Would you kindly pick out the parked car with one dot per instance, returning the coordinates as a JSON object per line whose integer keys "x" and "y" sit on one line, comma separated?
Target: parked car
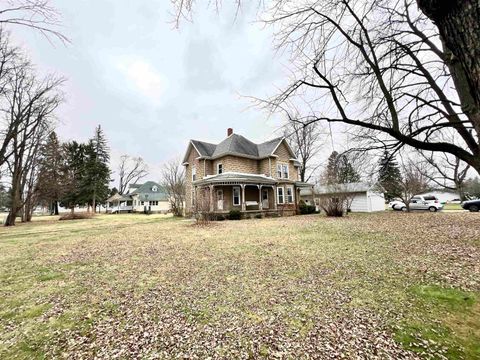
{"x": 419, "y": 202}
{"x": 471, "y": 205}
{"x": 392, "y": 203}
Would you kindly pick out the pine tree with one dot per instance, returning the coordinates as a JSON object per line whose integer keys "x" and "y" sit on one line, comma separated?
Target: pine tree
{"x": 73, "y": 175}
{"x": 390, "y": 176}
{"x": 50, "y": 184}
{"x": 340, "y": 170}
{"x": 97, "y": 172}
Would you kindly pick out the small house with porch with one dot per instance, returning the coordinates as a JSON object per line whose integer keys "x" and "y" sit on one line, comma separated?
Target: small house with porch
{"x": 238, "y": 174}
{"x": 148, "y": 197}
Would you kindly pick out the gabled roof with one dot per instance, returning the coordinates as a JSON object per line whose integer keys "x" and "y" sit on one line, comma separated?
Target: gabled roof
{"x": 203, "y": 148}
{"x": 146, "y": 192}
{"x": 236, "y": 145}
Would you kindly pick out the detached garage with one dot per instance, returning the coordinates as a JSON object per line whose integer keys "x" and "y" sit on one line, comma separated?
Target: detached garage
{"x": 363, "y": 197}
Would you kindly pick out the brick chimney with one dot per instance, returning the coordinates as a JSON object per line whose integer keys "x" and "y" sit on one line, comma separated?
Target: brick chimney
{"x": 229, "y": 131}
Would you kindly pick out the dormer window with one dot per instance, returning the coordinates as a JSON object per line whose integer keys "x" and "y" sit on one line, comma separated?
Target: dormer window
{"x": 219, "y": 168}
{"x": 154, "y": 189}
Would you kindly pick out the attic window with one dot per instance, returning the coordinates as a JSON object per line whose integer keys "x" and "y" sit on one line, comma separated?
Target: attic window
{"x": 219, "y": 168}
{"x": 154, "y": 188}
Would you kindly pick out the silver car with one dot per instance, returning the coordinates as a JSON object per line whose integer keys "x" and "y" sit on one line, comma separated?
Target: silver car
{"x": 419, "y": 202}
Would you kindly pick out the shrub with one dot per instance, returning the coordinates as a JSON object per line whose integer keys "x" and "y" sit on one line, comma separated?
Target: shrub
{"x": 234, "y": 215}
{"x": 258, "y": 216}
{"x": 219, "y": 217}
{"x": 76, "y": 216}
{"x": 306, "y": 209}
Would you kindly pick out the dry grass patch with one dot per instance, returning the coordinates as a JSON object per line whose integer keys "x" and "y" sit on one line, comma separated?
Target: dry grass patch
{"x": 157, "y": 287}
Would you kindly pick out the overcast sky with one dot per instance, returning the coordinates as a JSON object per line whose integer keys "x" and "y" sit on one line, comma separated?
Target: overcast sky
{"x": 152, "y": 87}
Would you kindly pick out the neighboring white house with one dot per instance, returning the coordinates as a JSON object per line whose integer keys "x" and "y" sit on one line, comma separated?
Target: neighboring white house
{"x": 364, "y": 197}
{"x": 443, "y": 196}
{"x": 147, "y": 197}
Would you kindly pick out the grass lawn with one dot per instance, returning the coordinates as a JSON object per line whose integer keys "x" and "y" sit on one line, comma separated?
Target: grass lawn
{"x": 452, "y": 207}
{"x": 390, "y": 285}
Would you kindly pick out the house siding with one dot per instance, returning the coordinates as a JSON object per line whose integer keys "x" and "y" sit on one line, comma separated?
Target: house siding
{"x": 283, "y": 157}
{"x": 238, "y": 164}
{"x": 192, "y": 161}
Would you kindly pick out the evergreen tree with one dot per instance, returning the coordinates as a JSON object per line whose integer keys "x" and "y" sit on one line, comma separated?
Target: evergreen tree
{"x": 96, "y": 173}
{"x": 340, "y": 170}
{"x": 50, "y": 183}
{"x": 389, "y": 176}
{"x": 73, "y": 173}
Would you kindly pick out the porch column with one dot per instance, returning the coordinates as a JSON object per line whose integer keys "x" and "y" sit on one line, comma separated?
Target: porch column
{"x": 211, "y": 197}
{"x": 275, "y": 197}
{"x": 244, "y": 207}
{"x": 260, "y": 205}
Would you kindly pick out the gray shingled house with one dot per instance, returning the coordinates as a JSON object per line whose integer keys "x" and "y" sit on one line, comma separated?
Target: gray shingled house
{"x": 238, "y": 174}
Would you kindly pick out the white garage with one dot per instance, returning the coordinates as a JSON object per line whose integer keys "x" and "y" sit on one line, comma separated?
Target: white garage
{"x": 362, "y": 196}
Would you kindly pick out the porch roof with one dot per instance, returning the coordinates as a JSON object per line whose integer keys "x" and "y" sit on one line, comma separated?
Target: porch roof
{"x": 235, "y": 178}
{"x": 119, "y": 197}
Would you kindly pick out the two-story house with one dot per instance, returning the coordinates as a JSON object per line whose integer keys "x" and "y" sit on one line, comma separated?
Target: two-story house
{"x": 239, "y": 174}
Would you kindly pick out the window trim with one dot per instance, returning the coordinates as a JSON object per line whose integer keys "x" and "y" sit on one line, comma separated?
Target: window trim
{"x": 278, "y": 195}
{"x": 239, "y": 196}
{"x": 285, "y": 166}
{"x": 218, "y": 168}
{"x": 194, "y": 172}
{"x": 279, "y": 170}
{"x": 289, "y": 187}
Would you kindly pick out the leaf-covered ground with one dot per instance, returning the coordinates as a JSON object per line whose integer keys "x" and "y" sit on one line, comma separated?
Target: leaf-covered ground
{"x": 388, "y": 285}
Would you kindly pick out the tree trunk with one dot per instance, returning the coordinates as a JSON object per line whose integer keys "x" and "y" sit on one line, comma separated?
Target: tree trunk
{"x": 459, "y": 27}
{"x": 55, "y": 207}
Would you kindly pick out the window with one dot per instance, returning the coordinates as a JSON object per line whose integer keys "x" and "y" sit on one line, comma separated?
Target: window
{"x": 154, "y": 189}
{"x": 289, "y": 194}
{"x": 141, "y": 202}
{"x": 153, "y": 203}
{"x": 280, "y": 195}
{"x": 236, "y": 196}
{"x": 193, "y": 197}
{"x": 282, "y": 171}
{"x": 219, "y": 168}
{"x": 194, "y": 173}
{"x": 285, "y": 171}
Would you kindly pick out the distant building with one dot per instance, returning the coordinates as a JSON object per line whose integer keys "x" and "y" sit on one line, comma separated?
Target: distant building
{"x": 147, "y": 197}
{"x": 364, "y": 197}
{"x": 443, "y": 196}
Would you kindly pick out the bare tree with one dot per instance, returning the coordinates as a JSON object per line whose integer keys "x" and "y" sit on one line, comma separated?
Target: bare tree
{"x": 202, "y": 206}
{"x": 445, "y": 171}
{"x": 413, "y": 182}
{"x": 31, "y": 106}
{"x": 378, "y": 66}
{"x": 306, "y": 141}
{"x": 35, "y": 14}
{"x": 130, "y": 170}
{"x": 173, "y": 179}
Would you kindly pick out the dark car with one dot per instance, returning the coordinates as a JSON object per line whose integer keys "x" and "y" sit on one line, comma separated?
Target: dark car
{"x": 471, "y": 205}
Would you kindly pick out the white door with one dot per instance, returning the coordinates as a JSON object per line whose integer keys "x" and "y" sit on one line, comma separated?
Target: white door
{"x": 219, "y": 199}
{"x": 265, "y": 198}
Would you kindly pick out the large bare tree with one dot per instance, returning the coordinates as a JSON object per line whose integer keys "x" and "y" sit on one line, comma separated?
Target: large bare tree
{"x": 130, "y": 170}
{"x": 306, "y": 141}
{"x": 445, "y": 171}
{"x": 31, "y": 106}
{"x": 173, "y": 179}
{"x": 385, "y": 68}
